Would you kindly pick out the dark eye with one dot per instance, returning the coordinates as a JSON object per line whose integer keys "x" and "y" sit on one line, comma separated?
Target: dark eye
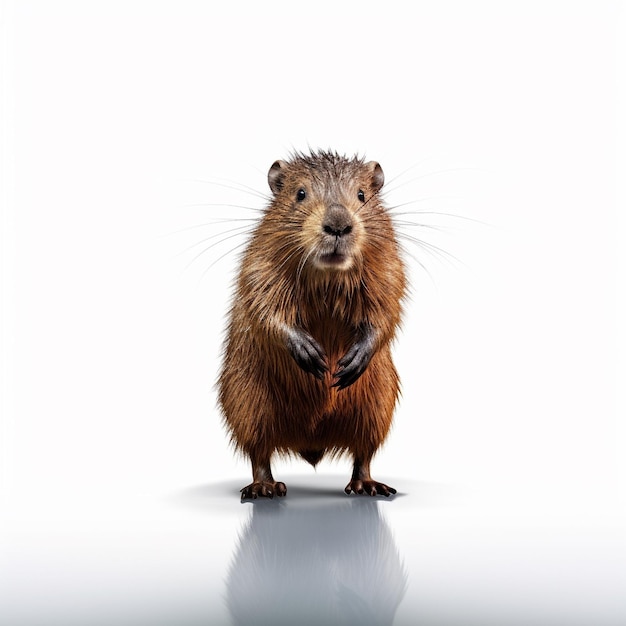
{"x": 361, "y": 195}
{"x": 301, "y": 195}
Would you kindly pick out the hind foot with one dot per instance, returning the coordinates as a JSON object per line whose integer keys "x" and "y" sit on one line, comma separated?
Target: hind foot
{"x": 263, "y": 489}
{"x": 369, "y": 487}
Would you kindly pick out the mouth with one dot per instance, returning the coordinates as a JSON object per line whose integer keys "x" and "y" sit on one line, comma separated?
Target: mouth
{"x": 334, "y": 260}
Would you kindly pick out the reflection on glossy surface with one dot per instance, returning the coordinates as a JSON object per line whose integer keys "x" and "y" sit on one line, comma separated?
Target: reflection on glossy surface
{"x": 306, "y": 561}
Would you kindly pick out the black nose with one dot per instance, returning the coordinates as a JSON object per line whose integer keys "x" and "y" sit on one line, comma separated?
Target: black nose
{"x": 337, "y": 221}
{"x": 337, "y": 232}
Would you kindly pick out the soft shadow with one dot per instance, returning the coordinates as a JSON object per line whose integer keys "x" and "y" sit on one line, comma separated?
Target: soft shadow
{"x": 211, "y": 497}
{"x": 201, "y": 496}
{"x": 315, "y": 563}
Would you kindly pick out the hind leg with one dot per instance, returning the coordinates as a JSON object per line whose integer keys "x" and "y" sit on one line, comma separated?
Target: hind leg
{"x": 363, "y": 483}
{"x": 372, "y": 421}
{"x": 263, "y": 484}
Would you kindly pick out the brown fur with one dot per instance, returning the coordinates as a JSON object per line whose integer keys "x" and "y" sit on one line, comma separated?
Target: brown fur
{"x": 270, "y": 404}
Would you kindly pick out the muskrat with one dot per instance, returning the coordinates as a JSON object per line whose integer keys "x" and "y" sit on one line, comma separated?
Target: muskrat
{"x": 307, "y": 365}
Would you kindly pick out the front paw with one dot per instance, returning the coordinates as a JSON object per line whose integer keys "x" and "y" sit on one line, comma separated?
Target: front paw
{"x": 354, "y": 362}
{"x": 307, "y": 353}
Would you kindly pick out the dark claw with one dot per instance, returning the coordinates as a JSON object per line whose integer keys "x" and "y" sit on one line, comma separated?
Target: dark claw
{"x": 369, "y": 487}
{"x": 263, "y": 490}
{"x": 307, "y": 353}
{"x": 354, "y": 362}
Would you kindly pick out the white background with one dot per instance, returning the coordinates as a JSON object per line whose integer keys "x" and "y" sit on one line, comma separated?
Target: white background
{"x": 126, "y": 125}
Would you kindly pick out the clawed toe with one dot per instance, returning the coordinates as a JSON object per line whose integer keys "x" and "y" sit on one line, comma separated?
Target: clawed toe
{"x": 263, "y": 490}
{"x": 369, "y": 487}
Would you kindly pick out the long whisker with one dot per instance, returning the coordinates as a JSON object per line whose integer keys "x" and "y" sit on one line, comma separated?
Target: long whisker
{"x": 240, "y": 230}
{"x": 302, "y": 263}
{"x": 221, "y": 204}
{"x": 237, "y": 247}
{"x": 238, "y": 184}
{"x": 435, "y": 173}
{"x": 424, "y": 199}
{"x": 393, "y": 213}
{"x": 403, "y": 172}
{"x": 217, "y": 220}
{"x": 403, "y": 223}
{"x": 407, "y": 252}
{"x": 243, "y": 189}
{"x": 377, "y": 240}
{"x": 397, "y": 223}
{"x": 365, "y": 204}
{"x": 430, "y": 248}
{"x": 216, "y": 243}
{"x": 295, "y": 249}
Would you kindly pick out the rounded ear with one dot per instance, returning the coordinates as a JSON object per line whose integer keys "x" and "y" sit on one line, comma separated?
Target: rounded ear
{"x": 377, "y": 175}
{"x": 275, "y": 176}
